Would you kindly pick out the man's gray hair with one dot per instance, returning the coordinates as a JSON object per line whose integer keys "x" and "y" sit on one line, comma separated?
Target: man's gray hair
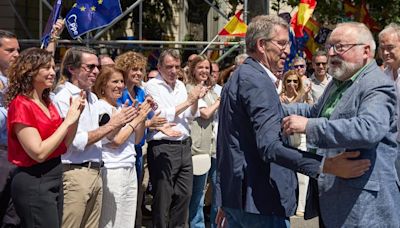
{"x": 391, "y": 28}
{"x": 171, "y": 52}
{"x": 364, "y": 35}
{"x": 240, "y": 58}
{"x": 262, "y": 26}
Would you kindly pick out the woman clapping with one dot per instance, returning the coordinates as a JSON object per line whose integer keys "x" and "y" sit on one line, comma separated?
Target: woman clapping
{"x": 37, "y": 137}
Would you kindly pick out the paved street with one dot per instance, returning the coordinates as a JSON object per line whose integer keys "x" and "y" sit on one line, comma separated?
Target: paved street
{"x": 299, "y": 222}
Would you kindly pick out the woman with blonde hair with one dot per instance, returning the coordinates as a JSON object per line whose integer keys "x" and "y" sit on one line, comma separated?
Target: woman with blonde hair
{"x": 37, "y": 137}
{"x": 293, "y": 89}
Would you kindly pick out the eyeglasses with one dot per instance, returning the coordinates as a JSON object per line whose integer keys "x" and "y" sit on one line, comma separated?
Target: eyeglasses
{"x": 299, "y": 66}
{"x": 341, "y": 48}
{"x": 281, "y": 44}
{"x": 292, "y": 80}
{"x": 387, "y": 48}
{"x": 321, "y": 63}
{"x": 90, "y": 67}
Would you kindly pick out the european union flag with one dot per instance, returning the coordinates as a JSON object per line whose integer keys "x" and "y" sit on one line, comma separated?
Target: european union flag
{"x": 55, "y": 13}
{"x": 88, "y": 15}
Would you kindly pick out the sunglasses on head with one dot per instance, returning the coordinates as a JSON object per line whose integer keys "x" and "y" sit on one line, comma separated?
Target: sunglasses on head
{"x": 299, "y": 66}
{"x": 292, "y": 80}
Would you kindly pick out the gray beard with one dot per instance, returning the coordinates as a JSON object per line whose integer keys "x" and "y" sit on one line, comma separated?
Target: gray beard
{"x": 344, "y": 71}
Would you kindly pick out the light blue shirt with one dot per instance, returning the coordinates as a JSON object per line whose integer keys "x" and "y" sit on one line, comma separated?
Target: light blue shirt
{"x": 3, "y": 112}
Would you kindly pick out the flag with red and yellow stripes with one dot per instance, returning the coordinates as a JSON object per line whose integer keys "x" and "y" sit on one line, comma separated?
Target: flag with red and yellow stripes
{"x": 234, "y": 27}
{"x": 305, "y": 11}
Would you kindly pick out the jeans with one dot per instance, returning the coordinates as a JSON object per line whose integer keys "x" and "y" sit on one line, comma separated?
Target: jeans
{"x": 213, "y": 180}
{"x": 196, "y": 216}
{"x": 237, "y": 218}
{"x": 139, "y": 161}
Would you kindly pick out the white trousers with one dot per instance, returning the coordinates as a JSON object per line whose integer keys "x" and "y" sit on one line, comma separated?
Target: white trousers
{"x": 119, "y": 197}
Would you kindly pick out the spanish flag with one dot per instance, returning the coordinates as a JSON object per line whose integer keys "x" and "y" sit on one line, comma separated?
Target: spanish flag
{"x": 311, "y": 28}
{"x": 360, "y": 13}
{"x": 299, "y": 20}
{"x": 235, "y": 27}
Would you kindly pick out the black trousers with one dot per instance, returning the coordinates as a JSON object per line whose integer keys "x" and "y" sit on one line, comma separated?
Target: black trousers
{"x": 37, "y": 193}
{"x": 171, "y": 176}
{"x": 8, "y": 215}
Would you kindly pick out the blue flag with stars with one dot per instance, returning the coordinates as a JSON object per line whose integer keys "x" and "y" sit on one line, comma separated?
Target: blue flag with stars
{"x": 55, "y": 13}
{"x": 88, "y": 15}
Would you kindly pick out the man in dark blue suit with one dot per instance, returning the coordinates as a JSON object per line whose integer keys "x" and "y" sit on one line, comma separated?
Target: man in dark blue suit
{"x": 255, "y": 171}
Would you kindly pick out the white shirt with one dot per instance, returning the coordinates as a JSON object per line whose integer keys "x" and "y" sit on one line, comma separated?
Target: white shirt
{"x": 167, "y": 99}
{"x": 78, "y": 152}
{"x": 217, "y": 89}
{"x": 389, "y": 72}
{"x": 124, "y": 155}
{"x": 318, "y": 87}
{"x": 272, "y": 77}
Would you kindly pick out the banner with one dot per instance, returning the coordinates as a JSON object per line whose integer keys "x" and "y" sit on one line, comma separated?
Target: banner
{"x": 88, "y": 15}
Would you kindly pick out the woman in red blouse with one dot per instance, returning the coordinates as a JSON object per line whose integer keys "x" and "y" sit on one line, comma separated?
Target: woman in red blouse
{"x": 37, "y": 137}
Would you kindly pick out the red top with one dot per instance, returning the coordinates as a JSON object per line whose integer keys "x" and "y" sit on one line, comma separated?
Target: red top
{"x": 24, "y": 111}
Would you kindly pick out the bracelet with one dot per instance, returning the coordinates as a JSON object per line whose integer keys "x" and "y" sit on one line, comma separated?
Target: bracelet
{"x": 54, "y": 38}
{"x": 130, "y": 125}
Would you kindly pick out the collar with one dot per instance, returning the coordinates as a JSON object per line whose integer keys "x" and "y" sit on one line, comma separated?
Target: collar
{"x": 269, "y": 73}
{"x": 389, "y": 72}
{"x": 327, "y": 76}
{"x": 160, "y": 80}
{"x": 73, "y": 89}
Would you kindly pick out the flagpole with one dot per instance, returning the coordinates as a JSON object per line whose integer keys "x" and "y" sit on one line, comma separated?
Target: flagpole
{"x": 228, "y": 52}
{"x": 209, "y": 44}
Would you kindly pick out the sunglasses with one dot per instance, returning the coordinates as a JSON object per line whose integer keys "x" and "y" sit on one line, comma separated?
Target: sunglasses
{"x": 90, "y": 67}
{"x": 299, "y": 66}
{"x": 321, "y": 63}
{"x": 292, "y": 80}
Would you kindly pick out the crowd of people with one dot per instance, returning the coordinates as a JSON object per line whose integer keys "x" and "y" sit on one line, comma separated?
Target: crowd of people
{"x": 261, "y": 143}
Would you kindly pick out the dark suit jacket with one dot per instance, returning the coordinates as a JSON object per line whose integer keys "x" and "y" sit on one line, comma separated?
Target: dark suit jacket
{"x": 254, "y": 168}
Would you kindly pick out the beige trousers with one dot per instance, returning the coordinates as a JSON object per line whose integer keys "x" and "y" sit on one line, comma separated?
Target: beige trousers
{"x": 82, "y": 197}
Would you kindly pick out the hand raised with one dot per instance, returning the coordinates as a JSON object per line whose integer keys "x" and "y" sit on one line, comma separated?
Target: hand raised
{"x": 58, "y": 27}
